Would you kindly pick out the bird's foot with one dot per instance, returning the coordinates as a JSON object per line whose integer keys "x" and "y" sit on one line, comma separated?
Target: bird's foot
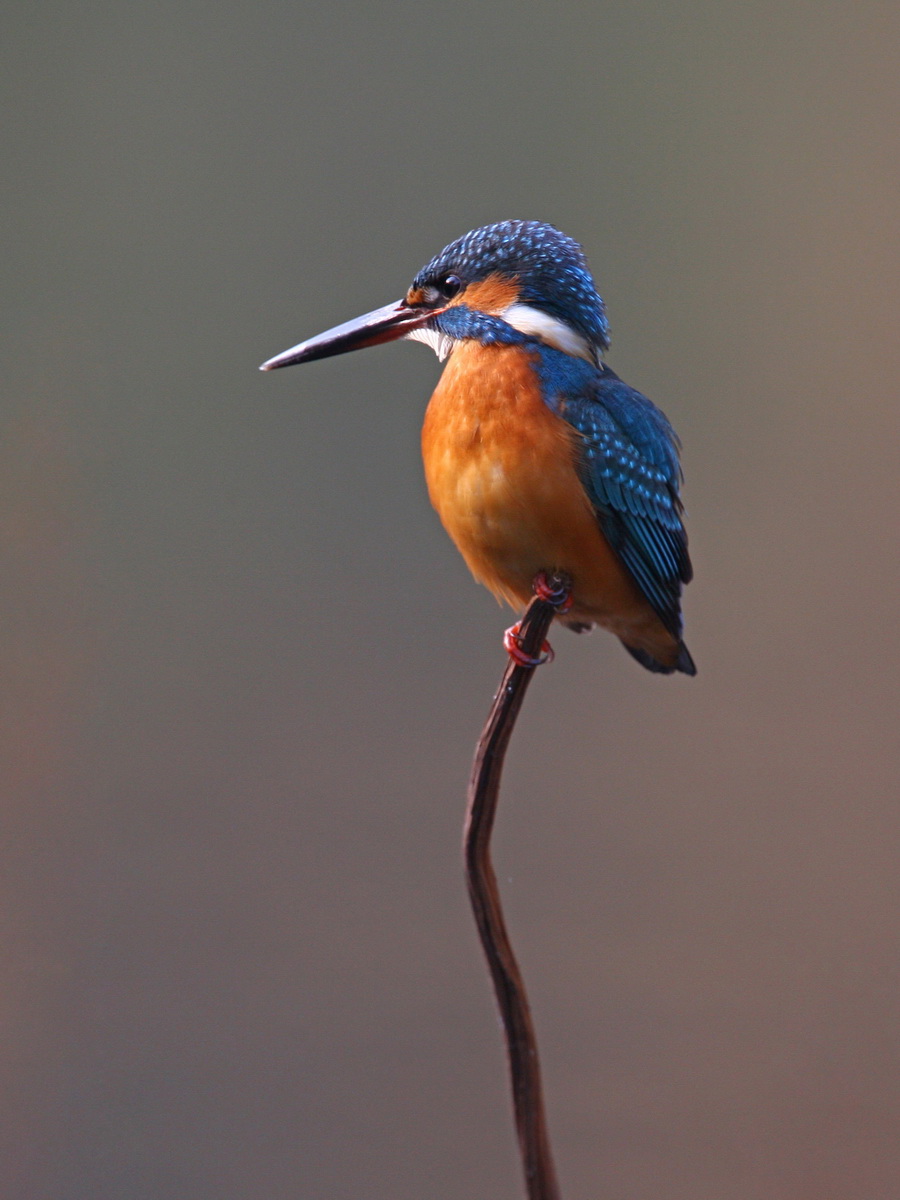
{"x": 555, "y": 589}
{"x": 512, "y": 644}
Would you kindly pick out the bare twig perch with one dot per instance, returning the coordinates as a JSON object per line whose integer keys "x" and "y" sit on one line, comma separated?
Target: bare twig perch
{"x": 531, "y": 1125}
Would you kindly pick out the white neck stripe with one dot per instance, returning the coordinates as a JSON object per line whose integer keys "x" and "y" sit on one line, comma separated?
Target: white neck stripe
{"x": 556, "y": 333}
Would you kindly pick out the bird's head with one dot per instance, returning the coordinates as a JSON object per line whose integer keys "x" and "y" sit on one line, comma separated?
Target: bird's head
{"x": 525, "y": 274}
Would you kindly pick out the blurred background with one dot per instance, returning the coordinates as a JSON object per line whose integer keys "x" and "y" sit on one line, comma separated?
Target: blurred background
{"x": 244, "y": 669}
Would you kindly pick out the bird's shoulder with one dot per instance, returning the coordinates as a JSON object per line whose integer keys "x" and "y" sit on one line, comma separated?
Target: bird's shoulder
{"x": 615, "y": 420}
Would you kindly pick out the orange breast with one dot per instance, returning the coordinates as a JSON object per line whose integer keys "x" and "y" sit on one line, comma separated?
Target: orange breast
{"x": 500, "y": 468}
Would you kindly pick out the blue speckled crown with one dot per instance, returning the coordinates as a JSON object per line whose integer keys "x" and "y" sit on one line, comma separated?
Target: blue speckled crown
{"x": 551, "y": 268}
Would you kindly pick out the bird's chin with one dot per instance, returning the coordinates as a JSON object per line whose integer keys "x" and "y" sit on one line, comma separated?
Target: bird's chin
{"x": 441, "y": 343}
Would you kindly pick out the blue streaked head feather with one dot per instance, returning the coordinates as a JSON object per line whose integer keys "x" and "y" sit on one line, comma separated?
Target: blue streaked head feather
{"x": 550, "y": 267}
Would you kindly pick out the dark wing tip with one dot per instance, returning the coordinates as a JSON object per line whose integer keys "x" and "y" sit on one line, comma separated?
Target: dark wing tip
{"x": 683, "y": 662}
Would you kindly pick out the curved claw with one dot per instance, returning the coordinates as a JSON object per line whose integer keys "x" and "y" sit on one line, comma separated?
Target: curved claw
{"x": 512, "y": 644}
{"x": 554, "y": 590}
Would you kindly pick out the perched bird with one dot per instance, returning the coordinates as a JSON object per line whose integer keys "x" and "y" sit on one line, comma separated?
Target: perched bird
{"x": 538, "y": 458}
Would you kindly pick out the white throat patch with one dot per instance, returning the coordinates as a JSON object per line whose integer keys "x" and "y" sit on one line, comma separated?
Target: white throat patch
{"x": 440, "y": 343}
{"x": 553, "y": 331}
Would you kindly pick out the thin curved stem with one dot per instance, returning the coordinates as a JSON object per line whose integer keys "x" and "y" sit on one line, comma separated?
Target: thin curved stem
{"x": 509, "y": 988}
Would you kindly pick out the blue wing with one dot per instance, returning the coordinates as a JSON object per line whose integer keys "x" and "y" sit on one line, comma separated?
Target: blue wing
{"x": 629, "y": 467}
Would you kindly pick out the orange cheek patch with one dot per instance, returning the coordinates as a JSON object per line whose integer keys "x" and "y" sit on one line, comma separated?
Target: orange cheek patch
{"x": 491, "y": 295}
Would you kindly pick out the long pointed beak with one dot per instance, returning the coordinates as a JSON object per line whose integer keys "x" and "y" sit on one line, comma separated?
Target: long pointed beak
{"x": 383, "y": 325}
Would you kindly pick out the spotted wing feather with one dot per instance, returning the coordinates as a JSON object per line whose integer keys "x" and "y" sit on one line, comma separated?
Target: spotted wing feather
{"x": 630, "y": 470}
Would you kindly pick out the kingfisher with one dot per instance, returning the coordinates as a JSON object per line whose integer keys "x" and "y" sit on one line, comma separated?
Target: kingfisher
{"x": 540, "y": 461}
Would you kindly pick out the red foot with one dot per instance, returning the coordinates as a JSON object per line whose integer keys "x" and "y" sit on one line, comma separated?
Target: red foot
{"x": 512, "y": 644}
{"x": 557, "y": 593}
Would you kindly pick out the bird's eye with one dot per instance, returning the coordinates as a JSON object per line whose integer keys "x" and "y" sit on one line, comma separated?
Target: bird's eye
{"x": 432, "y": 294}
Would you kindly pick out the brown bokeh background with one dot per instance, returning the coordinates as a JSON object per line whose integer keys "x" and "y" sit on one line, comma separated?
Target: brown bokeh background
{"x": 244, "y": 669}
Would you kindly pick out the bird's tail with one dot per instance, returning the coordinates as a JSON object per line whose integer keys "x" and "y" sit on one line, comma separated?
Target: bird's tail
{"x": 683, "y": 661}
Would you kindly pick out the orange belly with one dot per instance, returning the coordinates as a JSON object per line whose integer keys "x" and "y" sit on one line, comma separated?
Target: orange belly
{"x": 500, "y": 469}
